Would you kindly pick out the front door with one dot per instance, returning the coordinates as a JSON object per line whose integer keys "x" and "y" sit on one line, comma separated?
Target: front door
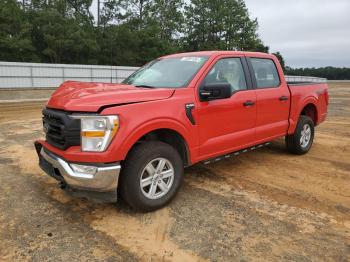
{"x": 226, "y": 125}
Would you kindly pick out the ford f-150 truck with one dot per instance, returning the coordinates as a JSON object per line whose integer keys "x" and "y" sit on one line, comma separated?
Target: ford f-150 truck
{"x": 135, "y": 138}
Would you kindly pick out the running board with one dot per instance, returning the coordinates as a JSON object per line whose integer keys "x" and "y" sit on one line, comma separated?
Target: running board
{"x": 216, "y": 159}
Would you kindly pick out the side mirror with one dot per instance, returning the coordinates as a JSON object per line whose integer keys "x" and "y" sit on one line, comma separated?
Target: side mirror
{"x": 214, "y": 91}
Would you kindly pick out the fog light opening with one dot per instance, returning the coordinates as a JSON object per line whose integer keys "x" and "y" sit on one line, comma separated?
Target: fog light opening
{"x": 82, "y": 169}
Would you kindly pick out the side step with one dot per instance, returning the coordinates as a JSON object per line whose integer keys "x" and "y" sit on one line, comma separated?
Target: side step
{"x": 216, "y": 159}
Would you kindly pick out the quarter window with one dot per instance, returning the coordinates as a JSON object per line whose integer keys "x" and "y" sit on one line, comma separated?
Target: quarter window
{"x": 265, "y": 73}
{"x": 228, "y": 70}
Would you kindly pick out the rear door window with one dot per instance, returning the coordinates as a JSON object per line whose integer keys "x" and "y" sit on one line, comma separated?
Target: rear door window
{"x": 265, "y": 73}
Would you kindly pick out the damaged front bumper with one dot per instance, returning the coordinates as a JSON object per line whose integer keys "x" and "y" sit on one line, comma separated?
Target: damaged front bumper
{"x": 97, "y": 181}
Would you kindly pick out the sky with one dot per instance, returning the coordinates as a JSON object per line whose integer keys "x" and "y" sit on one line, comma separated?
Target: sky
{"x": 308, "y": 33}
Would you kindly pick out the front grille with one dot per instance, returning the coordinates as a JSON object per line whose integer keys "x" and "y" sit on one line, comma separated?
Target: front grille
{"x": 61, "y": 130}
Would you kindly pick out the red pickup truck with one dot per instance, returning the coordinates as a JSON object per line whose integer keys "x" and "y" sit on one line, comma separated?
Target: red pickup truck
{"x": 135, "y": 138}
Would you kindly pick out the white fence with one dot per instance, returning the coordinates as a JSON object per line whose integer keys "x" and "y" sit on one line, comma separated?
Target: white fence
{"x": 305, "y": 79}
{"x": 35, "y": 75}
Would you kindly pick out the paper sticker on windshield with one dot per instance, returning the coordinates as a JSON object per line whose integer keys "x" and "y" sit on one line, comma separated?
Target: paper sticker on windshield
{"x": 192, "y": 59}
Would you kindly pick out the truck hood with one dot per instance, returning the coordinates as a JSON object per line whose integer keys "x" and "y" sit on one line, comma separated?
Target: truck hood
{"x": 90, "y": 97}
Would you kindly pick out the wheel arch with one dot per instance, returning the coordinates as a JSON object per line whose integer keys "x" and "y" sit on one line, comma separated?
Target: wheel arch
{"x": 168, "y": 132}
{"x": 310, "y": 110}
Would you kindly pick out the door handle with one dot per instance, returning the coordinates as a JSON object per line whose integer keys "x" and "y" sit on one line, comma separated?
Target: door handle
{"x": 283, "y": 98}
{"x": 248, "y": 103}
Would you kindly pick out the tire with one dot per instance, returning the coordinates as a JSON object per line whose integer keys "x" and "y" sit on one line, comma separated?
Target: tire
{"x": 295, "y": 143}
{"x": 138, "y": 165}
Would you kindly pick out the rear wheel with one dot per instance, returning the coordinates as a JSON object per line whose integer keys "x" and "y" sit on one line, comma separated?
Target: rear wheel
{"x": 301, "y": 141}
{"x": 151, "y": 175}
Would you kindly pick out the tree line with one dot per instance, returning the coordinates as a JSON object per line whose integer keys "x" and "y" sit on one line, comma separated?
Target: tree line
{"x": 329, "y": 72}
{"x": 129, "y": 32}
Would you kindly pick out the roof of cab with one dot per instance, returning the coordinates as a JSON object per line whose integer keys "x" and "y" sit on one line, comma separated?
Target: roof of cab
{"x": 217, "y": 52}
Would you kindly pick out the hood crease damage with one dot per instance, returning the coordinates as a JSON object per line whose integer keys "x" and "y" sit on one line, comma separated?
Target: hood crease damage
{"x": 95, "y": 97}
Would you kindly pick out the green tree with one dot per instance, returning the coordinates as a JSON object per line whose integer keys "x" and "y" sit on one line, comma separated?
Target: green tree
{"x": 168, "y": 15}
{"x": 139, "y": 31}
{"x": 220, "y": 24}
{"x": 137, "y": 12}
{"x": 62, "y": 36}
{"x": 112, "y": 12}
{"x": 81, "y": 8}
{"x": 281, "y": 59}
{"x": 15, "y": 34}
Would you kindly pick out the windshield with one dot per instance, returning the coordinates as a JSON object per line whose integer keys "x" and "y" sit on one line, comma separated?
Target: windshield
{"x": 172, "y": 72}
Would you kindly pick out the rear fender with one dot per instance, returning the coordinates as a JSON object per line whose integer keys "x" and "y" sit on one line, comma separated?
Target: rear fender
{"x": 297, "y": 109}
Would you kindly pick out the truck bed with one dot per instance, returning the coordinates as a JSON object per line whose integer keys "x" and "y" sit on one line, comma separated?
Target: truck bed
{"x": 300, "y": 83}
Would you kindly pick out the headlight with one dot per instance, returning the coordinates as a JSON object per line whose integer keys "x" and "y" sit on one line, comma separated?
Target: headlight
{"x": 97, "y": 132}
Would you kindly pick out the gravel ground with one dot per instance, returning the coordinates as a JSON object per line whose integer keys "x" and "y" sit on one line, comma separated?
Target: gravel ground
{"x": 264, "y": 205}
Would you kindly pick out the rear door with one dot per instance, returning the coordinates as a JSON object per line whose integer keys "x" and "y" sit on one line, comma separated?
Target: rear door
{"x": 225, "y": 125}
{"x": 273, "y": 99}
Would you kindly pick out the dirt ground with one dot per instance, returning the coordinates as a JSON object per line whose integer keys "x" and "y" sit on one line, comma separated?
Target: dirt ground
{"x": 264, "y": 205}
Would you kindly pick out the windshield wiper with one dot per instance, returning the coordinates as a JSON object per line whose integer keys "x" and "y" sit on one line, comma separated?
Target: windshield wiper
{"x": 146, "y": 86}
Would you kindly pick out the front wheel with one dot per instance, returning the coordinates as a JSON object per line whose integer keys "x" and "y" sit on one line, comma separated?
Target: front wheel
{"x": 151, "y": 175}
{"x": 301, "y": 141}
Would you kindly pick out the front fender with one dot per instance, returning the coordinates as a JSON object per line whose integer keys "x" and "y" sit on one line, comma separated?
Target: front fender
{"x": 152, "y": 125}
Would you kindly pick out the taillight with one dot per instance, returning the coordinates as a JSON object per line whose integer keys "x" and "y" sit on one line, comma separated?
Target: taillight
{"x": 326, "y": 96}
